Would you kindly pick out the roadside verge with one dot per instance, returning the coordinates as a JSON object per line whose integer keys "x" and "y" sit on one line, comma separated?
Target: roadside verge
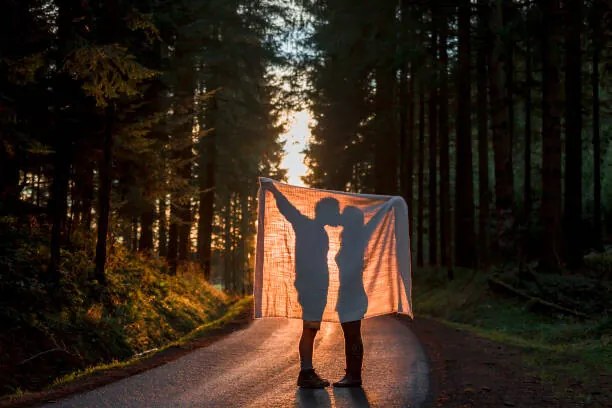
{"x": 238, "y": 316}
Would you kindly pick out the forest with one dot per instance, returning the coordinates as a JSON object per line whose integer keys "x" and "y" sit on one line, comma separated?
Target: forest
{"x": 132, "y": 134}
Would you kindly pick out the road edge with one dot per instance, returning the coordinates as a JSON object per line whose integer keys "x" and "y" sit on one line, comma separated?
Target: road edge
{"x": 433, "y": 360}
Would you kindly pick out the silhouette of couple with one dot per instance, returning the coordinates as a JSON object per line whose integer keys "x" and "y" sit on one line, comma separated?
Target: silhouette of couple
{"x": 311, "y": 248}
{"x": 312, "y": 280}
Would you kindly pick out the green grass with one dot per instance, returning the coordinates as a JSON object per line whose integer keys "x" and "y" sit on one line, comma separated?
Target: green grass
{"x": 559, "y": 349}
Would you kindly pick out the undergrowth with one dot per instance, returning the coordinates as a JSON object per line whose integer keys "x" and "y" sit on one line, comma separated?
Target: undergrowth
{"x": 565, "y": 351}
{"x": 50, "y": 330}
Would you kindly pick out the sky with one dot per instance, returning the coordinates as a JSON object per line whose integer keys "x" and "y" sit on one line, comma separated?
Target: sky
{"x": 296, "y": 138}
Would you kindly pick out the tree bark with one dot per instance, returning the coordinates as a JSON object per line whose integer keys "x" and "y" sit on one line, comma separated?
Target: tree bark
{"x": 172, "y": 255}
{"x": 502, "y": 137}
{"x": 147, "y": 217}
{"x": 420, "y": 216}
{"x": 596, "y": 17}
{"x": 551, "y": 138}
{"x": 410, "y": 151}
{"x": 445, "y": 213}
{"x": 527, "y": 196}
{"x": 163, "y": 227}
{"x": 385, "y": 143}
{"x": 483, "y": 136}
{"x": 104, "y": 196}
{"x": 88, "y": 198}
{"x": 207, "y": 160}
{"x": 573, "y": 134}
{"x": 465, "y": 240}
{"x": 184, "y": 232}
{"x": 9, "y": 179}
{"x": 406, "y": 113}
{"x": 433, "y": 146}
{"x": 58, "y": 204}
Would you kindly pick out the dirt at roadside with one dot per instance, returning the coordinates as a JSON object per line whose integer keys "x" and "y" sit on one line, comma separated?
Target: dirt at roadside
{"x": 470, "y": 371}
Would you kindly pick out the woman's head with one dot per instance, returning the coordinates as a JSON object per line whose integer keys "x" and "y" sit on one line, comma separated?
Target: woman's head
{"x": 352, "y": 217}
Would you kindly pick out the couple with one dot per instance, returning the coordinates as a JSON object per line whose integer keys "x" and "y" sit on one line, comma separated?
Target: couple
{"x": 312, "y": 279}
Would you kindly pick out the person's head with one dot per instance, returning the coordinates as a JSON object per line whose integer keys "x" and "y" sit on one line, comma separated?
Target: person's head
{"x": 327, "y": 211}
{"x": 352, "y": 217}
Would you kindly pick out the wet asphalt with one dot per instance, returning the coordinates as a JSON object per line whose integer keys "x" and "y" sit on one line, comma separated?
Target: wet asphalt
{"x": 258, "y": 367}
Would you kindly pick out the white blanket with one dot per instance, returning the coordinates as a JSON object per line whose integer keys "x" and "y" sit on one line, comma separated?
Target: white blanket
{"x": 330, "y": 256}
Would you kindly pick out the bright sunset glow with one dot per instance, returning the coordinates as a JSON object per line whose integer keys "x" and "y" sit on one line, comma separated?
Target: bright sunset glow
{"x": 296, "y": 139}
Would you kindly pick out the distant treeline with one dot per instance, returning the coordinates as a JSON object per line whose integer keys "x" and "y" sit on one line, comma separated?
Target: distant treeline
{"x": 491, "y": 117}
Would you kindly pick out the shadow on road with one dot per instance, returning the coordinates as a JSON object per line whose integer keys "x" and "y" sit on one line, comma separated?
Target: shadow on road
{"x": 351, "y": 397}
{"x": 343, "y": 397}
{"x": 307, "y": 398}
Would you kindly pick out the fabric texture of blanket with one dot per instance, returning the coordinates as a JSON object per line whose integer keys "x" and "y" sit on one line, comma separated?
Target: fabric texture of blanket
{"x": 330, "y": 256}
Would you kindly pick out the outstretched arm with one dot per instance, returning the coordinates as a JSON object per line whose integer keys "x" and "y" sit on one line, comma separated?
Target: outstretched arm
{"x": 284, "y": 206}
{"x": 375, "y": 220}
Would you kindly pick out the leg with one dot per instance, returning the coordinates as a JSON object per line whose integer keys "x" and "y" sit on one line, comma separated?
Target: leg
{"x": 308, "y": 378}
{"x": 353, "y": 351}
{"x": 306, "y": 346}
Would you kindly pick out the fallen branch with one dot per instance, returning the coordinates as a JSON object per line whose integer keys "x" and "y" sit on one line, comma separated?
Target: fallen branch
{"x": 42, "y": 353}
{"x": 138, "y": 355}
{"x": 503, "y": 287}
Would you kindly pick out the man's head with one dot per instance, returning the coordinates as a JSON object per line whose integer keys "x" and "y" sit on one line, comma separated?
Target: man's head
{"x": 327, "y": 211}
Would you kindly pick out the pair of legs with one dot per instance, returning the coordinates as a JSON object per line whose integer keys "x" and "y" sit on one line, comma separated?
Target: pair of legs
{"x": 353, "y": 351}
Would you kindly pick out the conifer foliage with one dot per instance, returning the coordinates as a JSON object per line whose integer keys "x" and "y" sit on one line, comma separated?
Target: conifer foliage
{"x": 139, "y": 123}
{"x": 459, "y": 106}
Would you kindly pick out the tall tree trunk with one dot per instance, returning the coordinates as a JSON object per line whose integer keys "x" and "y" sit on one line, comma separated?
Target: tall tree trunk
{"x": 551, "y": 137}
{"x": 146, "y": 228}
{"x": 163, "y": 227}
{"x": 9, "y": 178}
{"x": 433, "y": 146}
{"x": 404, "y": 131}
{"x": 386, "y": 143}
{"x": 483, "y": 136}
{"x": 62, "y": 143}
{"x": 88, "y": 197}
{"x": 410, "y": 144}
{"x": 244, "y": 241}
{"x": 184, "y": 233}
{"x": 207, "y": 159}
{"x": 445, "y": 213}
{"x": 182, "y": 152}
{"x": 465, "y": 240}
{"x": 173, "y": 233}
{"x": 508, "y": 9}
{"x": 596, "y": 16}
{"x": 227, "y": 264}
{"x": 502, "y": 138}
{"x": 134, "y": 232}
{"x": 527, "y": 196}
{"x": 39, "y": 192}
{"x": 104, "y": 196}
{"x": 420, "y": 216}
{"x": 58, "y": 205}
{"x": 405, "y": 101}
{"x": 573, "y": 134}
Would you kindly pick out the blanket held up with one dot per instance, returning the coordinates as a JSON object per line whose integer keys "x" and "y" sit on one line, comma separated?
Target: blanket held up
{"x": 330, "y": 256}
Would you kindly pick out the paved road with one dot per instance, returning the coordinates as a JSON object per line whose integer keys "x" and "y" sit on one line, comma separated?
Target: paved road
{"x": 257, "y": 367}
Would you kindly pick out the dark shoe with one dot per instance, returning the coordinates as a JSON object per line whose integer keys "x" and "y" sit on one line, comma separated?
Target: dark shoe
{"x": 348, "y": 381}
{"x": 309, "y": 379}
